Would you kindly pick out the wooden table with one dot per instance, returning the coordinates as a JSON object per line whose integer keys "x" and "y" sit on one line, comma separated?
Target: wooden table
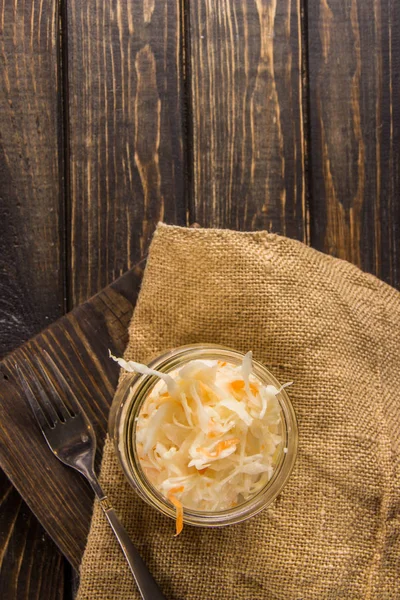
{"x": 250, "y": 114}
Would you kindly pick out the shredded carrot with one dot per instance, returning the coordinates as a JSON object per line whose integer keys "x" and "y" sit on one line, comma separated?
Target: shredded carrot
{"x": 176, "y": 490}
{"x": 178, "y": 505}
{"x": 238, "y": 386}
{"x": 202, "y": 471}
{"x": 221, "y": 363}
{"x": 220, "y": 447}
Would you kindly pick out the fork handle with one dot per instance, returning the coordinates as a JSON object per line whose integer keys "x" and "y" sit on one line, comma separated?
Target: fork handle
{"x": 145, "y": 582}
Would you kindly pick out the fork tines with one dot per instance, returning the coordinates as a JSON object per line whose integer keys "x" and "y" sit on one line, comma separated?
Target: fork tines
{"x": 52, "y": 407}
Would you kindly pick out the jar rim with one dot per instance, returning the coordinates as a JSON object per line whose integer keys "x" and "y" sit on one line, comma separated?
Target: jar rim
{"x": 127, "y": 404}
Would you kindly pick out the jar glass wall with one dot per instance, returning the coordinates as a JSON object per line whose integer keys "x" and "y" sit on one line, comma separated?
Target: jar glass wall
{"x": 133, "y": 391}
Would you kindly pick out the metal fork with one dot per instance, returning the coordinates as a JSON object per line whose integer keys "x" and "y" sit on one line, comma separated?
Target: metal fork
{"x": 70, "y": 435}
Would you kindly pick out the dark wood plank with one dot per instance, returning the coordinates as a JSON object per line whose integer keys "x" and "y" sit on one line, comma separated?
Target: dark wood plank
{"x": 31, "y": 252}
{"x": 31, "y": 241}
{"x": 30, "y": 564}
{"x": 354, "y": 50}
{"x": 246, "y": 92}
{"x": 125, "y": 129}
{"x": 79, "y": 343}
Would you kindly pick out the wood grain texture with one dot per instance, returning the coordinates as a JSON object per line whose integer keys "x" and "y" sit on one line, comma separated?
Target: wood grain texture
{"x": 125, "y": 134}
{"x": 31, "y": 240}
{"x": 30, "y": 565}
{"x": 354, "y": 67}
{"x": 31, "y": 252}
{"x": 246, "y": 90}
{"x": 79, "y": 344}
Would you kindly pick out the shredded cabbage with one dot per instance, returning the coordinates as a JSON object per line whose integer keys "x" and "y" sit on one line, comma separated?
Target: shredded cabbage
{"x": 209, "y": 434}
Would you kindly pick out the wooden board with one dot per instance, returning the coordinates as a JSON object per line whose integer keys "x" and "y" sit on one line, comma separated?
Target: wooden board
{"x": 126, "y": 159}
{"x": 247, "y": 126}
{"x": 79, "y": 343}
{"x": 355, "y": 132}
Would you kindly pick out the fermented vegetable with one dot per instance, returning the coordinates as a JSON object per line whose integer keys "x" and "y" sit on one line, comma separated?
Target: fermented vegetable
{"x": 209, "y": 434}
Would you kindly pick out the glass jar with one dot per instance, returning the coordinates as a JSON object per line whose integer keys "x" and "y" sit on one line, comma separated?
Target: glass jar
{"x": 127, "y": 404}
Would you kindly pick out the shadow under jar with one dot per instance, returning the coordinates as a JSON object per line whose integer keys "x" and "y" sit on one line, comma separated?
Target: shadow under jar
{"x": 126, "y": 407}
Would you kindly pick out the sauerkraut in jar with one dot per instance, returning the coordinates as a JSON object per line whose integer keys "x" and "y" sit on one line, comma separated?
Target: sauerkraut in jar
{"x": 209, "y": 434}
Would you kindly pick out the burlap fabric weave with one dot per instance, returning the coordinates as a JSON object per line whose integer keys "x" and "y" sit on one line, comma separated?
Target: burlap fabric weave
{"x": 320, "y": 322}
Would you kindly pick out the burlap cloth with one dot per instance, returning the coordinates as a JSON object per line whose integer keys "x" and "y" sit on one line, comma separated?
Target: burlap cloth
{"x": 333, "y": 330}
